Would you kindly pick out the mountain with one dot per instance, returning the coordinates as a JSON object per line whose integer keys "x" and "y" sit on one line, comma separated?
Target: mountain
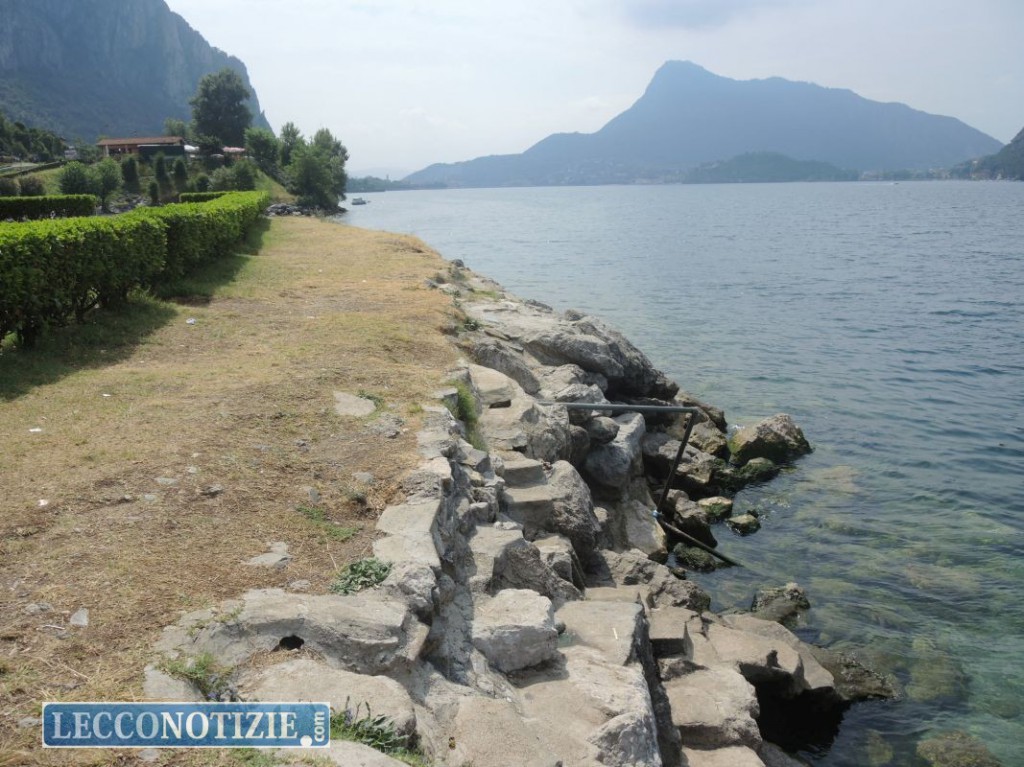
{"x": 765, "y": 167}
{"x": 1007, "y": 163}
{"x": 689, "y": 116}
{"x": 85, "y": 68}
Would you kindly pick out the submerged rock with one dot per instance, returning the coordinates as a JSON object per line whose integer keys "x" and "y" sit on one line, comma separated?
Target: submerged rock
{"x": 780, "y": 604}
{"x": 956, "y": 749}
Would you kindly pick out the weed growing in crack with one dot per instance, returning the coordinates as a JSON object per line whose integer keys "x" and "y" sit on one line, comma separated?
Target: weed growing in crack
{"x": 377, "y": 732}
{"x": 203, "y": 671}
{"x": 363, "y": 574}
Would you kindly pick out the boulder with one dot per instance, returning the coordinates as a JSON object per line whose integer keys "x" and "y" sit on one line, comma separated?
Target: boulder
{"x": 515, "y": 629}
{"x": 561, "y": 505}
{"x": 602, "y": 429}
{"x": 526, "y": 427}
{"x": 506, "y": 560}
{"x": 304, "y": 679}
{"x": 491, "y": 731}
{"x": 415, "y": 584}
{"x": 815, "y": 678}
{"x": 744, "y": 524}
{"x": 956, "y": 749}
{"x": 343, "y": 753}
{"x": 367, "y": 632}
{"x": 692, "y": 558}
{"x": 733, "y": 756}
{"x": 558, "y": 554}
{"x": 613, "y": 465}
{"x": 641, "y": 530}
{"x": 595, "y": 347}
{"x": 502, "y": 356}
{"x": 708, "y": 412}
{"x": 716, "y": 507}
{"x": 778, "y": 439}
{"x": 709, "y": 439}
{"x": 781, "y": 604}
{"x": 714, "y": 708}
{"x": 633, "y": 568}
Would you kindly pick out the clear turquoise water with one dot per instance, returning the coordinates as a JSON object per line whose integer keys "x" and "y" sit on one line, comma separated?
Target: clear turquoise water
{"x": 888, "y": 320}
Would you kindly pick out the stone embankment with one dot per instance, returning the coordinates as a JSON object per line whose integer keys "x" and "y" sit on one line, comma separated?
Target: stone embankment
{"x": 530, "y": 616}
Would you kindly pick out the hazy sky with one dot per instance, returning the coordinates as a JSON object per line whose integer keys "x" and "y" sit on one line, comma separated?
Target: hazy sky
{"x": 406, "y": 83}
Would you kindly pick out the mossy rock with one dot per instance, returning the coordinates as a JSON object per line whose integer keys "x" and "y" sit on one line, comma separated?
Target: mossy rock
{"x": 956, "y": 749}
{"x": 692, "y": 558}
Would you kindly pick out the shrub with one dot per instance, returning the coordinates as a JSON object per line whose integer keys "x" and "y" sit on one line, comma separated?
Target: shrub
{"x": 360, "y": 575}
{"x": 76, "y": 178}
{"x": 8, "y": 187}
{"x": 59, "y": 205}
{"x": 199, "y": 196}
{"x": 180, "y": 172}
{"x": 31, "y": 186}
{"x": 130, "y": 174}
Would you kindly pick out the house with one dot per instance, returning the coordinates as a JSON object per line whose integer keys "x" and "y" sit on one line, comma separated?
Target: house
{"x": 143, "y": 147}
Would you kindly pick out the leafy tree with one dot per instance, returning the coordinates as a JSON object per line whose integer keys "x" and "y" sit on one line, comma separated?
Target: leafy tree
{"x": 154, "y": 193}
{"x": 108, "y": 179}
{"x": 175, "y": 127}
{"x": 218, "y": 108}
{"x": 160, "y": 174}
{"x": 203, "y": 183}
{"x": 31, "y": 186}
{"x": 316, "y": 174}
{"x": 180, "y": 174}
{"x": 75, "y": 178}
{"x": 264, "y": 148}
{"x": 130, "y": 174}
{"x": 291, "y": 138}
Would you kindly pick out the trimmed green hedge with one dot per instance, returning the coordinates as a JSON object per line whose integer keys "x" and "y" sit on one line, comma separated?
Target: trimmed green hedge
{"x": 200, "y": 232}
{"x": 200, "y": 196}
{"x": 52, "y": 272}
{"x": 63, "y": 205}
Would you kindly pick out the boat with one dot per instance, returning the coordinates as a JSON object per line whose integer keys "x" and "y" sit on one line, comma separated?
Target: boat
{"x": 358, "y": 201}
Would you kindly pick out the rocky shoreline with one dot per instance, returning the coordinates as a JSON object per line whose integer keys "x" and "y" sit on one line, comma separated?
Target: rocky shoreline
{"x": 530, "y": 614}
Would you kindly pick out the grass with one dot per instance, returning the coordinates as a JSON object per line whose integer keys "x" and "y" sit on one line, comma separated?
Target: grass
{"x": 212, "y": 680}
{"x": 465, "y": 411}
{"x": 242, "y": 398}
{"x": 377, "y": 732}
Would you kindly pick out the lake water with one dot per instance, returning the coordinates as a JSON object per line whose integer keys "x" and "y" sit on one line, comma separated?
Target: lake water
{"x": 887, "y": 319}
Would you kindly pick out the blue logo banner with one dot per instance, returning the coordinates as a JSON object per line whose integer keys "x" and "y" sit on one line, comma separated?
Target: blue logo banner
{"x": 186, "y": 725}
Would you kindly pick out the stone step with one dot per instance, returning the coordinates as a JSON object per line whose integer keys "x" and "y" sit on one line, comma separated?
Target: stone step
{"x": 714, "y": 708}
{"x": 668, "y": 630}
{"x": 523, "y": 472}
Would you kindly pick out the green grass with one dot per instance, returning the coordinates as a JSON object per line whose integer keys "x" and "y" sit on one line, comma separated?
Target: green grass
{"x": 377, "y": 732}
{"x": 203, "y": 671}
{"x": 465, "y": 411}
{"x": 318, "y": 517}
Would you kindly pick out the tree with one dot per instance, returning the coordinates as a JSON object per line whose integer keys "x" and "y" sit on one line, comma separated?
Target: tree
{"x": 180, "y": 172}
{"x": 264, "y": 148}
{"x": 175, "y": 127}
{"x": 130, "y": 174}
{"x": 108, "y": 179}
{"x": 291, "y": 138}
{"x": 75, "y": 178}
{"x": 316, "y": 174}
{"x": 218, "y": 108}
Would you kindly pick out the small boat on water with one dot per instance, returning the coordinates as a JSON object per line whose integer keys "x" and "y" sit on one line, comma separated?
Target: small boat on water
{"x": 358, "y": 201}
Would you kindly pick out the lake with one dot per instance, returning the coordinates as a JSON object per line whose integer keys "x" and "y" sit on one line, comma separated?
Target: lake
{"x": 887, "y": 319}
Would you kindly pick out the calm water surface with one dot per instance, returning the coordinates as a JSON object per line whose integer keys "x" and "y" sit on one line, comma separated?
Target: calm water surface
{"x": 888, "y": 320}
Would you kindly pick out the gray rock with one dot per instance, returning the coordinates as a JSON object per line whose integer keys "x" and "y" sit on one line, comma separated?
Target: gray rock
{"x": 579, "y": 392}
{"x": 641, "y": 530}
{"x": 773, "y": 756}
{"x": 814, "y": 676}
{"x": 692, "y": 558}
{"x": 633, "y": 568}
{"x": 744, "y": 524}
{"x": 505, "y": 560}
{"x": 613, "y": 465}
{"x": 36, "y": 608}
{"x": 709, "y": 439}
{"x": 28, "y": 722}
{"x": 80, "y": 617}
{"x": 515, "y": 629}
{"x": 413, "y": 534}
{"x": 714, "y": 708}
{"x": 415, "y": 584}
{"x": 350, "y": 405}
{"x": 717, "y": 507}
{"x": 277, "y": 558}
{"x": 956, "y": 749}
{"x": 778, "y": 439}
{"x": 304, "y": 679}
{"x": 780, "y": 604}
{"x": 343, "y": 753}
{"x": 488, "y": 731}
{"x": 708, "y": 412}
{"x": 558, "y": 554}
{"x": 731, "y": 756}
{"x": 160, "y": 686}
{"x": 562, "y": 505}
{"x": 520, "y": 472}
{"x": 612, "y": 628}
{"x": 668, "y": 630}
{"x": 367, "y": 632}
{"x": 602, "y": 429}
{"x": 503, "y": 357}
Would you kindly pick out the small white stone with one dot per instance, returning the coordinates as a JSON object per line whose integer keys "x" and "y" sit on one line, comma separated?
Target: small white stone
{"x": 80, "y": 617}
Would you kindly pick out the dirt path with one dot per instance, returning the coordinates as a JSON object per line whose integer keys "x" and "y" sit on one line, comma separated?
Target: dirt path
{"x": 136, "y": 480}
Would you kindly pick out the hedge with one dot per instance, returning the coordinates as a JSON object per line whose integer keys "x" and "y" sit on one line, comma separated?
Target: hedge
{"x": 63, "y": 205}
{"x": 54, "y": 271}
{"x": 200, "y": 232}
{"x": 200, "y": 196}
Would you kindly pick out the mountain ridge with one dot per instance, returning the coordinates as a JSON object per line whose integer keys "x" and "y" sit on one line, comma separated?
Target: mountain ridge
{"x": 688, "y": 116}
{"x": 104, "y": 67}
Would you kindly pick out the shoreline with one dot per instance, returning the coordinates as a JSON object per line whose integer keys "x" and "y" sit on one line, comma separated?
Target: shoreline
{"x": 507, "y": 574}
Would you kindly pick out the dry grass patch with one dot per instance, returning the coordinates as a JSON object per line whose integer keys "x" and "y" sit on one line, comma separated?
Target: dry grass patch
{"x": 104, "y": 508}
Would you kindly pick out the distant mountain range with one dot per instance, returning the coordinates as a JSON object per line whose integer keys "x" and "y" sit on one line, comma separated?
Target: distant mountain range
{"x": 690, "y": 117}
{"x": 85, "y": 68}
{"x": 1007, "y": 163}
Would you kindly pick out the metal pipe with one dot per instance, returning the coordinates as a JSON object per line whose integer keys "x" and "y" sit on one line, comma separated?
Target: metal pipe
{"x": 690, "y": 422}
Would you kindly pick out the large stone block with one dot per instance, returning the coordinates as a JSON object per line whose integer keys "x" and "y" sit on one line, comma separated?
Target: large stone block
{"x": 515, "y": 629}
